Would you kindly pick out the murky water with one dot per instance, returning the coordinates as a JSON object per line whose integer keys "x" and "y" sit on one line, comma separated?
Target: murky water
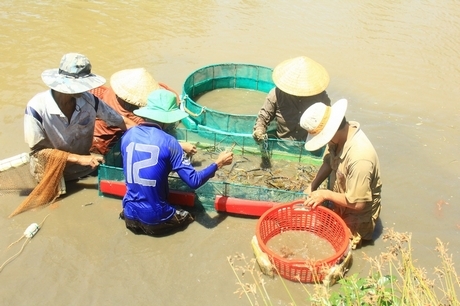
{"x": 301, "y": 245}
{"x": 396, "y": 62}
{"x": 233, "y": 100}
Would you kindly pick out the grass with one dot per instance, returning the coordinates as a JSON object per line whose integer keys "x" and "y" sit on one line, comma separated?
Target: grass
{"x": 393, "y": 279}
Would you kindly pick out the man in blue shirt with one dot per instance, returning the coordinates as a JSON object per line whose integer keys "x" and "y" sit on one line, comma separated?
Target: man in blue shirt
{"x": 149, "y": 155}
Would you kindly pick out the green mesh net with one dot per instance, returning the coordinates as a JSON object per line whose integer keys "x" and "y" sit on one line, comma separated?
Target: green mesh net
{"x": 213, "y": 131}
{"x": 273, "y": 149}
{"x": 229, "y": 75}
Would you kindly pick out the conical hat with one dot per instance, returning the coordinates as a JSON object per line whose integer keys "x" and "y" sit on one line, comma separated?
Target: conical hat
{"x": 300, "y": 76}
{"x": 133, "y": 85}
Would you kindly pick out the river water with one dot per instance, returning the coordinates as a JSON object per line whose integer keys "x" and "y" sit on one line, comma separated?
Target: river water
{"x": 397, "y": 63}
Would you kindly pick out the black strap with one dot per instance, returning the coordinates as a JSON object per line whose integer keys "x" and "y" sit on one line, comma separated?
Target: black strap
{"x": 96, "y": 103}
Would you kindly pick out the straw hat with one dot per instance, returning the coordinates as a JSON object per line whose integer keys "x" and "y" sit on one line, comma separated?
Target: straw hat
{"x": 133, "y": 85}
{"x": 300, "y": 76}
{"x": 162, "y": 107}
{"x": 73, "y": 75}
{"x": 322, "y": 122}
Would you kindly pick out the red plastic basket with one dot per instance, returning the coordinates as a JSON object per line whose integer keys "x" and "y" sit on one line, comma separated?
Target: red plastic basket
{"x": 295, "y": 216}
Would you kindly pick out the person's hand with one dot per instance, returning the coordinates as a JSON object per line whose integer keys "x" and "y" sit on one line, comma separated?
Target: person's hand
{"x": 259, "y": 134}
{"x": 224, "y": 158}
{"x": 188, "y": 148}
{"x": 315, "y": 198}
{"x": 90, "y": 160}
{"x": 307, "y": 190}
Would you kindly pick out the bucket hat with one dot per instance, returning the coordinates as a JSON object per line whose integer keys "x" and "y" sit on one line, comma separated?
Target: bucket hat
{"x": 162, "y": 107}
{"x": 133, "y": 85}
{"x": 300, "y": 76}
{"x": 322, "y": 122}
{"x": 73, "y": 75}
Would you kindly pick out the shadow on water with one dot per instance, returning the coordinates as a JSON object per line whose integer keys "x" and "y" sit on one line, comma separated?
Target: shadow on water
{"x": 205, "y": 219}
{"x": 376, "y": 235}
{"x": 378, "y": 229}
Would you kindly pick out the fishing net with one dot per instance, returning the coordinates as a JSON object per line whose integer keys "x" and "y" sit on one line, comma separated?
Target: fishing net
{"x": 15, "y": 175}
{"x": 227, "y": 75}
{"x": 249, "y": 177}
{"x": 53, "y": 163}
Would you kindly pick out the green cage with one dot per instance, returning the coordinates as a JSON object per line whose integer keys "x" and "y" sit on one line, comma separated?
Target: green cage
{"x": 226, "y": 75}
{"x": 242, "y": 146}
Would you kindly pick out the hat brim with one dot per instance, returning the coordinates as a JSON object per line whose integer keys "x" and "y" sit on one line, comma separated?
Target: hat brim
{"x": 70, "y": 85}
{"x": 133, "y": 85}
{"x": 315, "y": 142}
{"x": 300, "y": 76}
{"x": 161, "y": 116}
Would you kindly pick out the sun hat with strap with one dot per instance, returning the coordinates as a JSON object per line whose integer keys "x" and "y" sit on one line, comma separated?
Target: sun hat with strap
{"x": 73, "y": 75}
{"x": 322, "y": 122}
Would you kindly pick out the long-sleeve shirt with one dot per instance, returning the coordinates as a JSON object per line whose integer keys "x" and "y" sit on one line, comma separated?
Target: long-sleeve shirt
{"x": 106, "y": 135}
{"x": 287, "y": 110}
{"x": 149, "y": 155}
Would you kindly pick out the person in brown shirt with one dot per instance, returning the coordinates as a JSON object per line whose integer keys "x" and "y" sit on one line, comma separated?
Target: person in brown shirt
{"x": 300, "y": 82}
{"x": 352, "y": 165}
{"x": 129, "y": 91}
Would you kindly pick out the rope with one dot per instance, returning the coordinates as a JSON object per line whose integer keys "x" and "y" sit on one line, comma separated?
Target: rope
{"x": 22, "y": 248}
{"x": 15, "y": 255}
{"x": 184, "y": 108}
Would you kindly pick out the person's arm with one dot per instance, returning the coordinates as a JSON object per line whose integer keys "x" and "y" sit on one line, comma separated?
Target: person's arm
{"x": 112, "y": 117}
{"x": 195, "y": 179}
{"x": 322, "y": 174}
{"x": 85, "y": 160}
{"x": 266, "y": 114}
{"x": 357, "y": 193}
{"x": 319, "y": 196}
{"x": 188, "y": 148}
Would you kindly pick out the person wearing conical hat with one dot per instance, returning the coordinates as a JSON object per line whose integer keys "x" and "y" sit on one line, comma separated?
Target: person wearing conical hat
{"x": 300, "y": 82}
{"x": 351, "y": 164}
{"x": 63, "y": 117}
{"x": 149, "y": 155}
{"x": 129, "y": 89}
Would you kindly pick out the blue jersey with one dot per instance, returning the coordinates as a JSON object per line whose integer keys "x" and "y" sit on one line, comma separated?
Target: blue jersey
{"x": 149, "y": 155}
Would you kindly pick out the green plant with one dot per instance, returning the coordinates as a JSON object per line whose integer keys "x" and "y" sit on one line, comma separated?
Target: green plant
{"x": 393, "y": 279}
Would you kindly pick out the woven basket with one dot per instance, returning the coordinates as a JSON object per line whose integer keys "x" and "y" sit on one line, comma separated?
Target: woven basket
{"x": 296, "y": 217}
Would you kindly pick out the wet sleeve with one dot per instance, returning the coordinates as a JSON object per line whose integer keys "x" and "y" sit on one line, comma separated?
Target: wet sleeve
{"x": 267, "y": 112}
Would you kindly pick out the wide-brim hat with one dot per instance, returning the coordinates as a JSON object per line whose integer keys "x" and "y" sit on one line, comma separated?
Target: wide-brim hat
{"x": 300, "y": 76}
{"x": 133, "y": 85}
{"x": 73, "y": 75}
{"x": 322, "y": 122}
{"x": 161, "y": 107}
